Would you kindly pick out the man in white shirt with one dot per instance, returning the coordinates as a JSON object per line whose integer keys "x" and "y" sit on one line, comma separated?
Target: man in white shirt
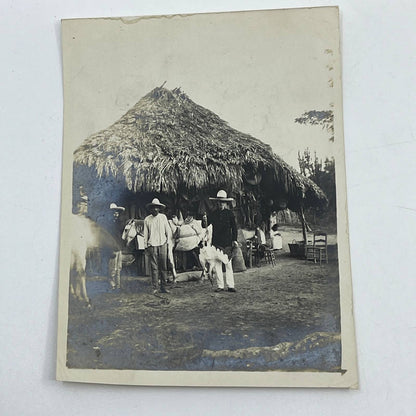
{"x": 157, "y": 236}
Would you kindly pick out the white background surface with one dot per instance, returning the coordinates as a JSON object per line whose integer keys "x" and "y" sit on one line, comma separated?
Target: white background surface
{"x": 379, "y": 49}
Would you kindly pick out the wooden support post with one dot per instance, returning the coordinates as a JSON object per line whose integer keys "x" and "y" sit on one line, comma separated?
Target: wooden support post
{"x": 303, "y": 222}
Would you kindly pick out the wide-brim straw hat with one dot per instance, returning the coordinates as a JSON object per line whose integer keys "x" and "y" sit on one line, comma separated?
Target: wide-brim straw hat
{"x": 116, "y": 207}
{"x": 222, "y": 196}
{"x": 155, "y": 203}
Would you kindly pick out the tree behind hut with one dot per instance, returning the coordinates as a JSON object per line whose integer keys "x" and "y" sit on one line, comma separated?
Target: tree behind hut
{"x": 323, "y": 118}
{"x": 323, "y": 174}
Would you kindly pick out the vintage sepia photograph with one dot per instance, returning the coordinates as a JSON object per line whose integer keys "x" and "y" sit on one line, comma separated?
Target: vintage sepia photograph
{"x": 204, "y": 228}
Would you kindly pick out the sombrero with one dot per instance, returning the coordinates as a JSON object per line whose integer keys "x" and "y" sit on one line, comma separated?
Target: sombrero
{"x": 222, "y": 196}
{"x": 117, "y": 208}
{"x": 155, "y": 203}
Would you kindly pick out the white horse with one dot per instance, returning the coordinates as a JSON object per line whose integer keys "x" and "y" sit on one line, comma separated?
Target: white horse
{"x": 85, "y": 234}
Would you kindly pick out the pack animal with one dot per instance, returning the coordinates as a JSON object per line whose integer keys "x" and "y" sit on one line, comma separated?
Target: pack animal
{"x": 209, "y": 256}
{"x": 85, "y": 235}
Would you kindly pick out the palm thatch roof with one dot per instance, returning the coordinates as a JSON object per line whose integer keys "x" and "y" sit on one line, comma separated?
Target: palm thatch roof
{"x": 166, "y": 143}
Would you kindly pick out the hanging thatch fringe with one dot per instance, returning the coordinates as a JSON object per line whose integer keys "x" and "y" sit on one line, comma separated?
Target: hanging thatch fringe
{"x": 166, "y": 141}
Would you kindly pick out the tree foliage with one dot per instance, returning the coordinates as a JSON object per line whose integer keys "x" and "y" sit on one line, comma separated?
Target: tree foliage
{"x": 324, "y": 118}
{"x": 323, "y": 174}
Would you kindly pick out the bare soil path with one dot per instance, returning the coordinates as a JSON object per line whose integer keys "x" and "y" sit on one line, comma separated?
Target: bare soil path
{"x": 281, "y": 317}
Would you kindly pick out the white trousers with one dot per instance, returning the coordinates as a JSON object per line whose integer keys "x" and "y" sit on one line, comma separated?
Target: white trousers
{"x": 229, "y": 276}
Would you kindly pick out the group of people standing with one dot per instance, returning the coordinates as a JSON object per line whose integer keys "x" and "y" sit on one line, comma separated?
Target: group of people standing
{"x": 158, "y": 243}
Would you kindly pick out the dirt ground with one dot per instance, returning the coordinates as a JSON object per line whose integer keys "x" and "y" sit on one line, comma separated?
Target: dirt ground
{"x": 282, "y": 317}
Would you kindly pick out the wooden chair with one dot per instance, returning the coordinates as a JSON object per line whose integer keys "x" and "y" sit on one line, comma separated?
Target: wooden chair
{"x": 309, "y": 250}
{"x": 269, "y": 256}
{"x": 252, "y": 253}
{"x": 318, "y": 251}
{"x": 258, "y": 252}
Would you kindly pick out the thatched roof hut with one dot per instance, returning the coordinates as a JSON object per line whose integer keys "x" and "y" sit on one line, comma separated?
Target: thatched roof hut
{"x": 167, "y": 144}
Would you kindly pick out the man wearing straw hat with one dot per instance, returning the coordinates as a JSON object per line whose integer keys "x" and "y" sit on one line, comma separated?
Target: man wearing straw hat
{"x": 224, "y": 237}
{"x": 116, "y": 260}
{"x": 157, "y": 236}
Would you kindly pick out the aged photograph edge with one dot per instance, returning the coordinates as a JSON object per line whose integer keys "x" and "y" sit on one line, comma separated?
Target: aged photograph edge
{"x": 175, "y": 378}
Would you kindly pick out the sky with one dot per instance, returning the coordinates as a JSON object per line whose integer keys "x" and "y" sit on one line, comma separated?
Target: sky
{"x": 256, "y": 70}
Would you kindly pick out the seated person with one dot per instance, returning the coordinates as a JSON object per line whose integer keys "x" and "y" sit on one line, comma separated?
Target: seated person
{"x": 189, "y": 234}
{"x": 277, "y": 241}
{"x": 188, "y": 237}
{"x": 261, "y": 237}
